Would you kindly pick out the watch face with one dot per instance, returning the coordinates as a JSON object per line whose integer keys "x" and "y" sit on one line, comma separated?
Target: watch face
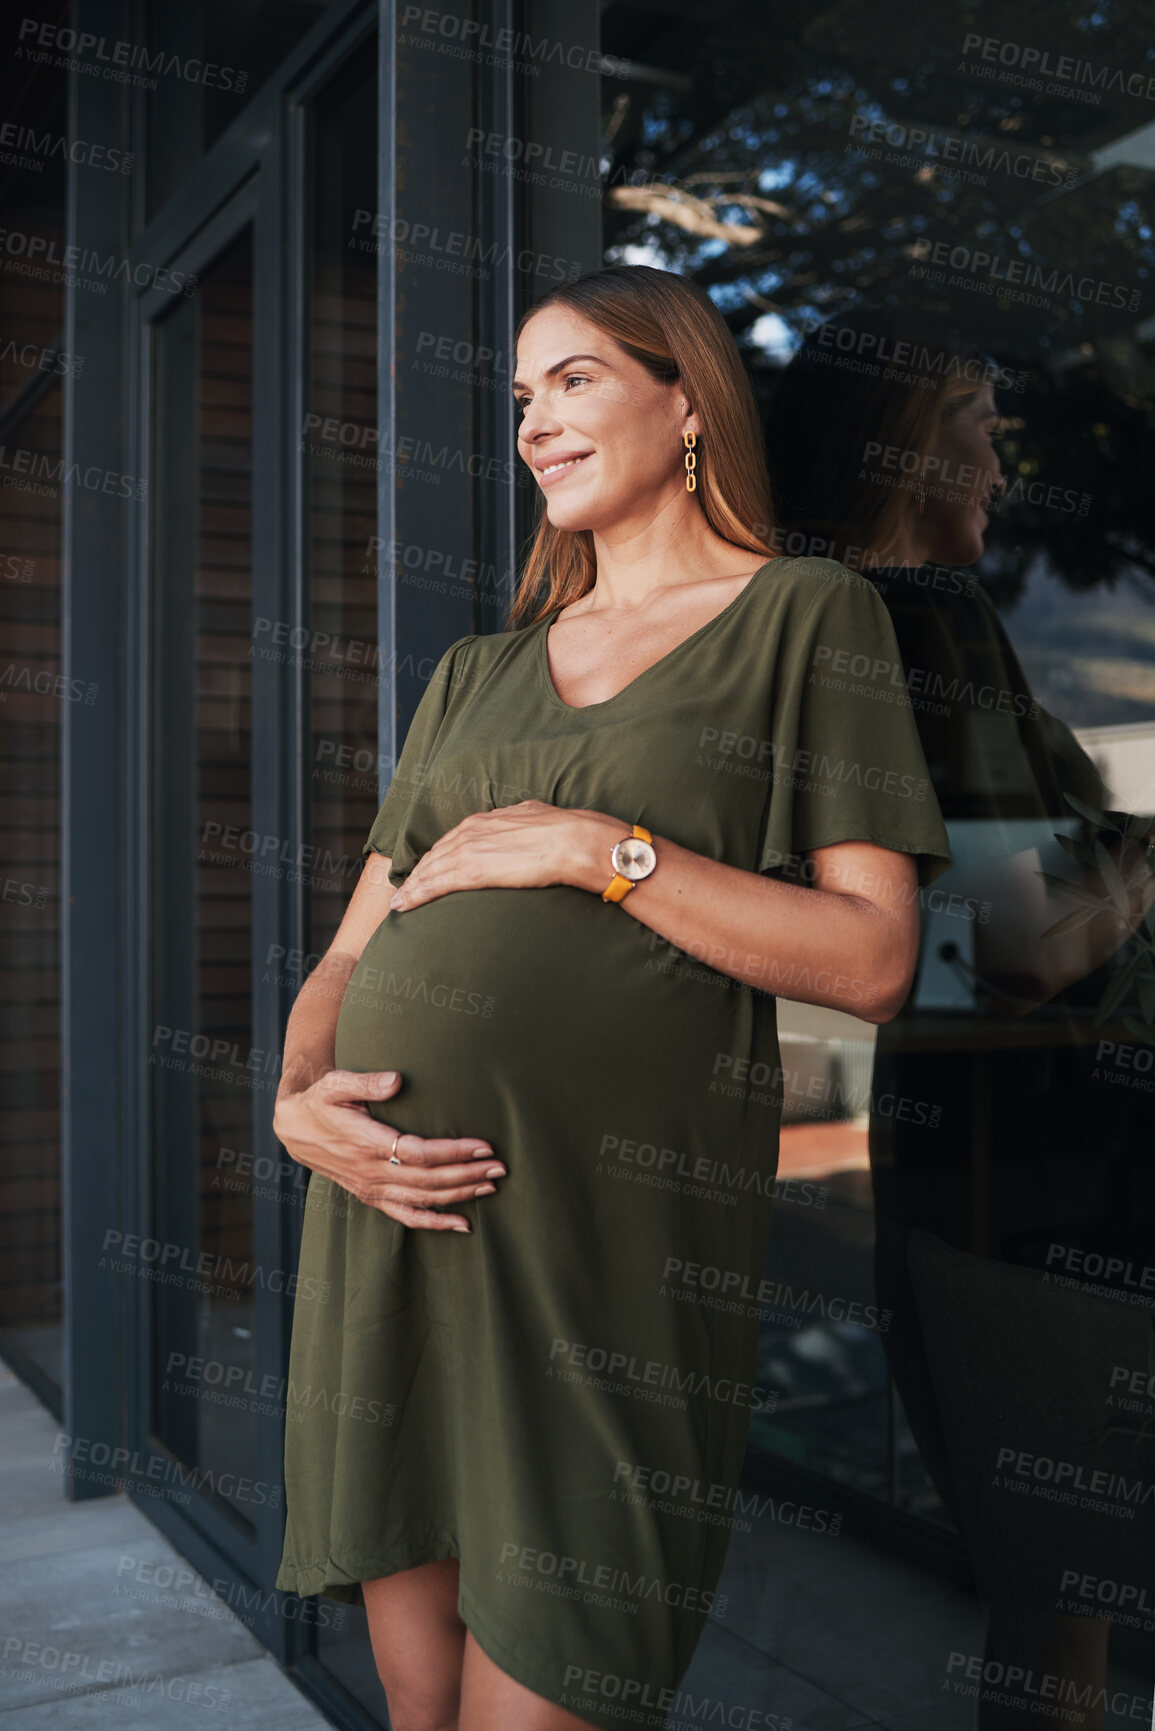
{"x": 634, "y": 859}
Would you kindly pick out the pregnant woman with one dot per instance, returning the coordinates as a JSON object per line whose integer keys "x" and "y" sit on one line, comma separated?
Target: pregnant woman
{"x": 617, "y": 830}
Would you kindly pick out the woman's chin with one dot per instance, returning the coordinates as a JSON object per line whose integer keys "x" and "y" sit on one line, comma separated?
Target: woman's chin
{"x": 963, "y": 547}
{"x": 572, "y": 516}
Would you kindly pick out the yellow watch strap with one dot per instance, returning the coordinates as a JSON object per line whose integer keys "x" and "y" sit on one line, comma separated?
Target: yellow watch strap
{"x": 620, "y": 885}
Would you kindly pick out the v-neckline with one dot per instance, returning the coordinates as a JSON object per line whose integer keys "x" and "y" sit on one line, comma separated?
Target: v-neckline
{"x": 604, "y": 703}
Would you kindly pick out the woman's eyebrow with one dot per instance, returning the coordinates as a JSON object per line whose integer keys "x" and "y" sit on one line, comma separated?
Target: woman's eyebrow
{"x": 518, "y": 385}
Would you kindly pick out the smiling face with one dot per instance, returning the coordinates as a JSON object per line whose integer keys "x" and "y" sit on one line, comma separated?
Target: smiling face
{"x": 602, "y": 436}
{"x": 965, "y": 475}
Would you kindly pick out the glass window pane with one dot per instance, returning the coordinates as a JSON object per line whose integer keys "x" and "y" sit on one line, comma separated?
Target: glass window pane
{"x": 341, "y": 483}
{"x": 342, "y": 663}
{"x": 33, "y": 192}
{"x": 202, "y": 1056}
{"x": 31, "y": 702}
{"x": 200, "y": 64}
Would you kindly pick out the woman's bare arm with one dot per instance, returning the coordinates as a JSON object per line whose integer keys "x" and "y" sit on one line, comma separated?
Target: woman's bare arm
{"x": 308, "y": 1051}
{"x": 847, "y": 937}
{"x": 321, "y": 1115}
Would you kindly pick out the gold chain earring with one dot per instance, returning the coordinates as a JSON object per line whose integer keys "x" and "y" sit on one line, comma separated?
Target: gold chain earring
{"x": 690, "y": 440}
{"x": 921, "y": 496}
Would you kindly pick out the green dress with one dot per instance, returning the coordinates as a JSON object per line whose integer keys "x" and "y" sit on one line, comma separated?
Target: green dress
{"x": 561, "y": 1399}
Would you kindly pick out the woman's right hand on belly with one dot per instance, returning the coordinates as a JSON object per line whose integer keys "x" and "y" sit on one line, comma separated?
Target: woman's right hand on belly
{"x": 328, "y": 1128}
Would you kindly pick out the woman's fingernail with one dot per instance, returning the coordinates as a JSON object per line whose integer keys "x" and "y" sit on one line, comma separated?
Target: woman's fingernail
{"x": 485, "y": 1190}
{"x": 481, "y": 1153}
{"x": 495, "y": 1171}
{"x": 463, "y": 1229}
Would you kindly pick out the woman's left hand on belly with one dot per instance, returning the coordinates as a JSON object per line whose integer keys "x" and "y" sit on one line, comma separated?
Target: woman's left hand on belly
{"x": 523, "y": 846}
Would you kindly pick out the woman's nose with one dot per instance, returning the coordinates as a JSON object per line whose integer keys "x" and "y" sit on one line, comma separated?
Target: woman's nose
{"x": 536, "y": 421}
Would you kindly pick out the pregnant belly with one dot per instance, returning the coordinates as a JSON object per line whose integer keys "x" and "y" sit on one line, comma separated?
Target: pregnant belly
{"x": 508, "y": 1008}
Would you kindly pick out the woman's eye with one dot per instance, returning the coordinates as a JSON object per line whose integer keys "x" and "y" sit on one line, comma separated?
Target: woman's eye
{"x": 521, "y": 404}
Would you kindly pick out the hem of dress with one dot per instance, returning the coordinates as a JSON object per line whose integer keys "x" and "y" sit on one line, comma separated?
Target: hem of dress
{"x": 510, "y": 1660}
{"x": 342, "y": 1580}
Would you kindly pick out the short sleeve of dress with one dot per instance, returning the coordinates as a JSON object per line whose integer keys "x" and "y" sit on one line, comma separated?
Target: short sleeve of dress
{"x": 848, "y": 761}
{"x": 415, "y": 753}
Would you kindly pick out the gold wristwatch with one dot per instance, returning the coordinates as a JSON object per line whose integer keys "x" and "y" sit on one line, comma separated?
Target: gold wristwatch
{"x": 632, "y": 858}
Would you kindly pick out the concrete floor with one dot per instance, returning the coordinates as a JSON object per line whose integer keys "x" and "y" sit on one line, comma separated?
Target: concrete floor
{"x": 68, "y": 1641}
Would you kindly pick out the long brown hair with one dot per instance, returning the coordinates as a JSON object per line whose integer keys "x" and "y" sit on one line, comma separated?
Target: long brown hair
{"x": 672, "y": 327}
{"x": 854, "y": 422}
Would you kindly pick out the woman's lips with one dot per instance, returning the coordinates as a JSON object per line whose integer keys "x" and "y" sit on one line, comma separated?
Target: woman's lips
{"x": 547, "y": 477}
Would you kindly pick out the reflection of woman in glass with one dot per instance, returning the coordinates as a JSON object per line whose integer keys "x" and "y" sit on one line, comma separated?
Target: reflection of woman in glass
{"x": 993, "y": 1217}
{"x": 499, "y": 1447}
